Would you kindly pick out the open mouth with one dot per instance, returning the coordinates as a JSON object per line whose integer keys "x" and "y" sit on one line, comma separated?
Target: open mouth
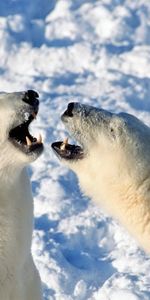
{"x": 63, "y": 149}
{"x": 21, "y": 138}
{"x": 67, "y": 151}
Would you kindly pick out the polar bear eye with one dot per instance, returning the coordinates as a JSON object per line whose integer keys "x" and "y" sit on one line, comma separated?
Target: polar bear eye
{"x": 112, "y": 132}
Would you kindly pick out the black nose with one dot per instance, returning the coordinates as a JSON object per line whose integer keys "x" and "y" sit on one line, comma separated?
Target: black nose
{"x": 69, "y": 111}
{"x": 31, "y": 97}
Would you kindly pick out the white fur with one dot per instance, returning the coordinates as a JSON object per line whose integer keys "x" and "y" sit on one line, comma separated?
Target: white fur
{"x": 115, "y": 171}
{"x": 19, "y": 279}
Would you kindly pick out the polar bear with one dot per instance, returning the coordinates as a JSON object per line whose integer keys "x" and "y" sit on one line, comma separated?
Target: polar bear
{"x": 112, "y": 164}
{"x": 19, "y": 278}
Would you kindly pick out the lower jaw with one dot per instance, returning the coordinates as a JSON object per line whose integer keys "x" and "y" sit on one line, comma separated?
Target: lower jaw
{"x": 67, "y": 151}
{"x": 34, "y": 149}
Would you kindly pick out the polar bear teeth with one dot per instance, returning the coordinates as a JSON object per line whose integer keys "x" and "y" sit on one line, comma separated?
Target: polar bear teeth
{"x": 38, "y": 140}
{"x": 20, "y": 136}
{"x": 64, "y": 144}
{"x": 29, "y": 143}
{"x": 67, "y": 151}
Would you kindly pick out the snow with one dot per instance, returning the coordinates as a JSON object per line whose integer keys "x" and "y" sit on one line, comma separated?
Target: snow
{"x": 96, "y": 52}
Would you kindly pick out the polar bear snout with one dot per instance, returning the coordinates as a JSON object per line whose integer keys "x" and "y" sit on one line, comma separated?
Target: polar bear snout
{"x": 31, "y": 98}
{"x": 84, "y": 113}
{"x": 69, "y": 110}
{"x": 74, "y": 109}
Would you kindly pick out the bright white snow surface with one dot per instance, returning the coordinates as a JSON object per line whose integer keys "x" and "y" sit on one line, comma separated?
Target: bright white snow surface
{"x": 96, "y": 52}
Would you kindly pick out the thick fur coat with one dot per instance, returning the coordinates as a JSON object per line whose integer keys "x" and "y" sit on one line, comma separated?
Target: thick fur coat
{"x": 19, "y": 278}
{"x": 112, "y": 164}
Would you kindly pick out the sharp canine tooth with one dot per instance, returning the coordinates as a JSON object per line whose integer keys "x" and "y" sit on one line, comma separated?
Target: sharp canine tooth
{"x": 39, "y": 140}
{"x": 66, "y": 141}
{"x": 29, "y": 143}
{"x": 64, "y": 144}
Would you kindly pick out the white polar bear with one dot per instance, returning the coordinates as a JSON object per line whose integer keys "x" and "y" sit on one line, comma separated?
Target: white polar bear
{"x": 112, "y": 164}
{"x": 19, "y": 278}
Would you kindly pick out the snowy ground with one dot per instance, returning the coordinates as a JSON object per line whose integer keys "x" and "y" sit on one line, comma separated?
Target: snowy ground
{"x": 97, "y": 52}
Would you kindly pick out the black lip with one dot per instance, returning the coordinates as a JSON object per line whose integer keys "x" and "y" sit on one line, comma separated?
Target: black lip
{"x": 71, "y": 152}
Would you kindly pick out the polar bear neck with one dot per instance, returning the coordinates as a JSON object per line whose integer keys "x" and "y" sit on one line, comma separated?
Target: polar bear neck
{"x": 121, "y": 197}
{"x": 16, "y": 211}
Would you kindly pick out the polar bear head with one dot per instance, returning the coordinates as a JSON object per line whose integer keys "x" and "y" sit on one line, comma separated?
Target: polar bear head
{"x": 17, "y": 146}
{"x": 113, "y": 154}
